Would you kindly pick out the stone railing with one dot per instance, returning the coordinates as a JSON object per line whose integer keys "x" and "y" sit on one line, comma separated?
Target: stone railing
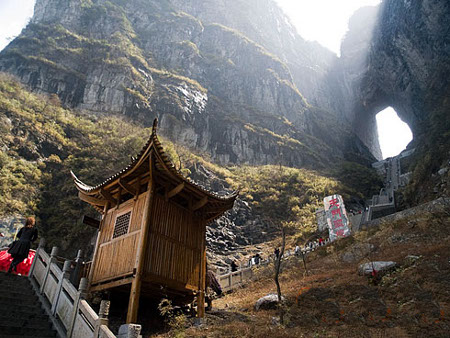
{"x": 231, "y": 280}
{"x": 70, "y": 313}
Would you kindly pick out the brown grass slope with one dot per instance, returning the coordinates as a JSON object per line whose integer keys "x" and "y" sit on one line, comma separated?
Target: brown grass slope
{"x": 332, "y": 300}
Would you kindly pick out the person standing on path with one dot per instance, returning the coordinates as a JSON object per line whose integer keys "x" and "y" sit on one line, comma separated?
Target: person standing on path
{"x": 276, "y": 252}
{"x": 20, "y": 248}
{"x": 233, "y": 266}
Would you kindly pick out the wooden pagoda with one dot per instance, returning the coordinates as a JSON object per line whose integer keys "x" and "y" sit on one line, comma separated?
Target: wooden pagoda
{"x": 152, "y": 234}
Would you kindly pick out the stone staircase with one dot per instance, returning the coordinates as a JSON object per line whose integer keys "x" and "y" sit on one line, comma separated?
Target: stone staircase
{"x": 21, "y": 313}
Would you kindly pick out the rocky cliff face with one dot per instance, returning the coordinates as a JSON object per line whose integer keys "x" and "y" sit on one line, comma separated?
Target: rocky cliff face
{"x": 222, "y": 78}
{"x": 235, "y": 79}
{"x": 397, "y": 55}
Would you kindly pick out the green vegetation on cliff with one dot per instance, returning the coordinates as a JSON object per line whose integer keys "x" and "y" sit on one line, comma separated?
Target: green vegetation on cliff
{"x": 41, "y": 142}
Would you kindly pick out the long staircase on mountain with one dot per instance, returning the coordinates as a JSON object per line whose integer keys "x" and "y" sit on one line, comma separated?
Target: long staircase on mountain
{"x": 21, "y": 312}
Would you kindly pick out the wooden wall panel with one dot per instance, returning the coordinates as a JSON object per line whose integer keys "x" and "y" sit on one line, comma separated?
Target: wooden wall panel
{"x": 116, "y": 258}
{"x": 107, "y": 227}
{"x": 138, "y": 212}
{"x": 174, "y": 247}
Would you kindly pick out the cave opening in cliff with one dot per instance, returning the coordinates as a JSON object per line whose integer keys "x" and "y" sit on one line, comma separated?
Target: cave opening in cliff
{"x": 393, "y": 134}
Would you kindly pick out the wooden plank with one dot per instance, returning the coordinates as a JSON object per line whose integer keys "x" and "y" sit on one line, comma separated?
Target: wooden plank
{"x": 112, "y": 284}
{"x": 153, "y": 278}
{"x": 128, "y": 187}
{"x": 175, "y": 190}
{"x": 201, "y": 292}
{"x": 116, "y": 258}
{"x": 121, "y": 238}
{"x": 91, "y": 200}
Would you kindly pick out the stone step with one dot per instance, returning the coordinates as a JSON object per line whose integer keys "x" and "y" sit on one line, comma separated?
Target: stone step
{"x": 5, "y": 317}
{"x": 21, "y": 313}
{"x": 51, "y": 334}
{"x": 40, "y": 322}
{"x": 26, "y": 336}
{"x": 23, "y": 300}
{"x": 21, "y": 331}
{"x": 12, "y": 291}
{"x": 12, "y": 277}
{"x": 21, "y": 310}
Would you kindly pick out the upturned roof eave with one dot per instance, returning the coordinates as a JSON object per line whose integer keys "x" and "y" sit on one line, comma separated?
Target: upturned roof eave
{"x": 155, "y": 144}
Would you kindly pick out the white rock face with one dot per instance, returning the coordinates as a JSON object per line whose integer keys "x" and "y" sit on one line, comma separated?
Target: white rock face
{"x": 267, "y": 302}
{"x": 367, "y": 268}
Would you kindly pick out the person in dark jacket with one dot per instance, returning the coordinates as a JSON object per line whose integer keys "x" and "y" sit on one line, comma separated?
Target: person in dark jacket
{"x": 276, "y": 252}
{"x": 213, "y": 288}
{"x": 20, "y": 248}
{"x": 234, "y": 266}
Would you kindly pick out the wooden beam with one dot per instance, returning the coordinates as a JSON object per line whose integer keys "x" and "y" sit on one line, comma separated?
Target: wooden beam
{"x": 119, "y": 197}
{"x": 91, "y": 200}
{"x": 202, "y": 281}
{"x": 113, "y": 284}
{"x": 138, "y": 189}
{"x": 133, "y": 303}
{"x": 106, "y": 194}
{"x": 175, "y": 190}
{"x": 128, "y": 187}
{"x": 200, "y": 203}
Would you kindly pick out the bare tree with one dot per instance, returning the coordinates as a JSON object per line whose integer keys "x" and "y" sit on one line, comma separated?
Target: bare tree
{"x": 278, "y": 261}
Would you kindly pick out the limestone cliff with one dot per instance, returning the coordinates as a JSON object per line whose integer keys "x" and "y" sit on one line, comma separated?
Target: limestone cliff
{"x": 397, "y": 55}
{"x": 224, "y": 84}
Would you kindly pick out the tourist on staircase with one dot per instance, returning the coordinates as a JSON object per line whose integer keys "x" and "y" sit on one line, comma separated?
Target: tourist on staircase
{"x": 20, "y": 248}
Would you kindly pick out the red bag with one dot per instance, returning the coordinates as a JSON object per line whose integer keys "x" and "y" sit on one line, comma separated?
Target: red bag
{"x": 23, "y": 268}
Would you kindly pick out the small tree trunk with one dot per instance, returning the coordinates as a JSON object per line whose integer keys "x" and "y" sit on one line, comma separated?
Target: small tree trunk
{"x": 277, "y": 272}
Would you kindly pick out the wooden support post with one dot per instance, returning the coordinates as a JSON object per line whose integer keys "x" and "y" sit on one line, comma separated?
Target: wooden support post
{"x": 119, "y": 197}
{"x": 36, "y": 257}
{"x": 52, "y": 259}
{"x": 133, "y": 303}
{"x": 201, "y": 293}
{"x": 65, "y": 275}
{"x": 138, "y": 189}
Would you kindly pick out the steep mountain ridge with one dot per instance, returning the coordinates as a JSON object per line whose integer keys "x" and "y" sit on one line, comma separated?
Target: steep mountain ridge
{"x": 397, "y": 54}
{"x": 41, "y": 142}
{"x": 213, "y": 88}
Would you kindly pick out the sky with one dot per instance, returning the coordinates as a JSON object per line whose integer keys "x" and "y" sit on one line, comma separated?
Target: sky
{"x": 394, "y": 134}
{"x": 14, "y": 15}
{"x": 324, "y": 21}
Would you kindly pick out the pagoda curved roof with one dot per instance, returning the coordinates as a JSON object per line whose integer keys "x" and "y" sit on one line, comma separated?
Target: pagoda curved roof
{"x": 166, "y": 168}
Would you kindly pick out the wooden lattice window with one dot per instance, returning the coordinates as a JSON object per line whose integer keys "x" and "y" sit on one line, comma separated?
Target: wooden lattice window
{"x": 122, "y": 224}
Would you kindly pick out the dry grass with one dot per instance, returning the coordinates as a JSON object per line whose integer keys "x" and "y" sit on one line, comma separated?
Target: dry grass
{"x": 334, "y": 301}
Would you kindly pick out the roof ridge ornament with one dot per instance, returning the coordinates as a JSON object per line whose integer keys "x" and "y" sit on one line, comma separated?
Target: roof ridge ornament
{"x": 155, "y": 126}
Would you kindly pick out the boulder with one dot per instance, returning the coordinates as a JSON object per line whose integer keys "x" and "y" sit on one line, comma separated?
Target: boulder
{"x": 367, "y": 268}
{"x": 268, "y": 302}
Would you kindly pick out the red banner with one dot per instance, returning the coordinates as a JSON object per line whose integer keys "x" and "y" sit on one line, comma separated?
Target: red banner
{"x": 22, "y": 269}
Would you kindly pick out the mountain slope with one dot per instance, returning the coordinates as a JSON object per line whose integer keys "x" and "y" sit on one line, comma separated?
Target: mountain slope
{"x": 40, "y": 142}
{"x": 215, "y": 88}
